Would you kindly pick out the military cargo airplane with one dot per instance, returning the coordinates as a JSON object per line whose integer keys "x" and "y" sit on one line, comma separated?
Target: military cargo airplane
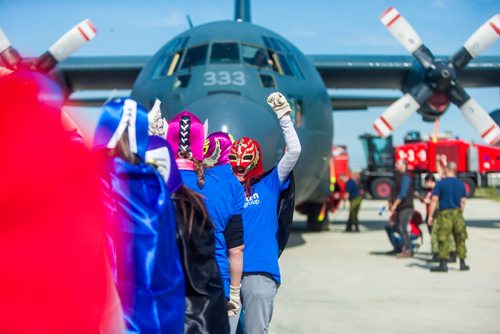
{"x": 223, "y": 71}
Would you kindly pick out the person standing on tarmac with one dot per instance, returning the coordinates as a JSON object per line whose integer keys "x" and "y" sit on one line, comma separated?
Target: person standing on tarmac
{"x": 261, "y": 273}
{"x": 430, "y": 183}
{"x": 141, "y": 234}
{"x": 401, "y": 203}
{"x": 224, "y": 201}
{"x": 206, "y": 310}
{"x": 450, "y": 193}
{"x": 353, "y": 194}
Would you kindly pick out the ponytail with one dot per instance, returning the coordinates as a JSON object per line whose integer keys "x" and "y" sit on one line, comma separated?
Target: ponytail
{"x": 198, "y": 167}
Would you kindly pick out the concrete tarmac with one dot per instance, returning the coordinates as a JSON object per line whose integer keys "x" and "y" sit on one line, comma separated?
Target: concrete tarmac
{"x": 337, "y": 282}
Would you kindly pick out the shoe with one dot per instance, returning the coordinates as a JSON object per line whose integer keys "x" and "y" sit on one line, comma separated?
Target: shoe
{"x": 442, "y": 268}
{"x": 404, "y": 254}
{"x": 453, "y": 257}
{"x": 435, "y": 258}
{"x": 463, "y": 266}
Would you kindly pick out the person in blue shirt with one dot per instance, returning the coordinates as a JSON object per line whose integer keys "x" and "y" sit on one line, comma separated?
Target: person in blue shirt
{"x": 401, "y": 204}
{"x": 450, "y": 193}
{"x": 261, "y": 273}
{"x": 142, "y": 246}
{"x": 206, "y": 310}
{"x": 223, "y": 199}
{"x": 353, "y": 194}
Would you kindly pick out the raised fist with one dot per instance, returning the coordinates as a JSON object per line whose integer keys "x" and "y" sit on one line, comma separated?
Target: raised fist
{"x": 279, "y": 104}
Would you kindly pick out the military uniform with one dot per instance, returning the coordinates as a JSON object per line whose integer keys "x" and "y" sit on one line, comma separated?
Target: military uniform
{"x": 355, "y": 200}
{"x": 449, "y": 219}
{"x": 450, "y": 222}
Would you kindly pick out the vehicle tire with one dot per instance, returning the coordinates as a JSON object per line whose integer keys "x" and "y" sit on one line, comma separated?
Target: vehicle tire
{"x": 381, "y": 187}
{"x": 313, "y": 224}
{"x": 470, "y": 186}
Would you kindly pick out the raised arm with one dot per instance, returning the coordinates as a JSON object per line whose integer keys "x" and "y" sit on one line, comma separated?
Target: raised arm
{"x": 282, "y": 109}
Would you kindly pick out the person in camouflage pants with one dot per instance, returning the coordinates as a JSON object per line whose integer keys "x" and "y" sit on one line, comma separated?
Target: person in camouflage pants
{"x": 430, "y": 183}
{"x": 451, "y": 194}
{"x": 353, "y": 194}
{"x": 450, "y": 222}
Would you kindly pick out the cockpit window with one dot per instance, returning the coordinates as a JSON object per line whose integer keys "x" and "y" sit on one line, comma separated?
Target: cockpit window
{"x": 254, "y": 56}
{"x": 267, "y": 43}
{"x": 284, "y": 64}
{"x": 275, "y": 62}
{"x": 169, "y": 61}
{"x": 225, "y": 53}
{"x": 275, "y": 44}
{"x": 182, "y": 45}
{"x": 195, "y": 55}
{"x": 295, "y": 67}
{"x": 283, "y": 45}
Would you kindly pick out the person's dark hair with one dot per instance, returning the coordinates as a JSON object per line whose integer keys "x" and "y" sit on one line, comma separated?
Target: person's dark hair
{"x": 198, "y": 167}
{"x": 122, "y": 150}
{"x": 430, "y": 177}
{"x": 189, "y": 203}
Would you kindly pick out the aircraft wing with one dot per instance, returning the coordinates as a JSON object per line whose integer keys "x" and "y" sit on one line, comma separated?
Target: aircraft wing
{"x": 337, "y": 71}
{"x": 372, "y": 71}
{"x": 101, "y": 73}
{"x": 342, "y": 102}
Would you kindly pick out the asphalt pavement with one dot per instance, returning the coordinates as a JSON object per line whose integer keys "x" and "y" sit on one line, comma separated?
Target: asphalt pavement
{"x": 337, "y": 282}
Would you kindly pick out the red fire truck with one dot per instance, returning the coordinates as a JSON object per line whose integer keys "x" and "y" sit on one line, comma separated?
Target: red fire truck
{"x": 477, "y": 165}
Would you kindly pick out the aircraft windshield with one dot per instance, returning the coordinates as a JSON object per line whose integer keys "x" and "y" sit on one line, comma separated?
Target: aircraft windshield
{"x": 225, "y": 53}
{"x": 195, "y": 55}
{"x": 284, "y": 64}
{"x": 254, "y": 56}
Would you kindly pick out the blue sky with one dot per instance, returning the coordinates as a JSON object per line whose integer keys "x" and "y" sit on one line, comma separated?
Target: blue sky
{"x": 316, "y": 27}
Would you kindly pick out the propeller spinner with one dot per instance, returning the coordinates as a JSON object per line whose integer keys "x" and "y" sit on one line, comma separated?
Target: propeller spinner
{"x": 440, "y": 77}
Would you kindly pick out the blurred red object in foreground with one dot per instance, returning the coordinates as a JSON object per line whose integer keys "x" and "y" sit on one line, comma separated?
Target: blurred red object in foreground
{"x": 52, "y": 260}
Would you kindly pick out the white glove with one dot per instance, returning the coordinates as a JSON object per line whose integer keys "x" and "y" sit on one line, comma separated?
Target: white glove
{"x": 279, "y": 104}
{"x": 157, "y": 126}
{"x": 234, "y": 303}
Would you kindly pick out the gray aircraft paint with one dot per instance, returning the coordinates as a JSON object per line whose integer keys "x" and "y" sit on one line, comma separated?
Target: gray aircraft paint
{"x": 232, "y": 98}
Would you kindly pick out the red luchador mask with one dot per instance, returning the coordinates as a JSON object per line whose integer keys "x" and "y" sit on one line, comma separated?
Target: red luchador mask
{"x": 246, "y": 159}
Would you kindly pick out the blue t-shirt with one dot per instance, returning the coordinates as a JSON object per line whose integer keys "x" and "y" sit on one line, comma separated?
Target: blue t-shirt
{"x": 224, "y": 197}
{"x": 260, "y": 223}
{"x": 450, "y": 192}
{"x": 352, "y": 188}
{"x": 405, "y": 186}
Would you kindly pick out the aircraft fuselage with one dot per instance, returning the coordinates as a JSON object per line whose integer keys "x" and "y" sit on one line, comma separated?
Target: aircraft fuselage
{"x": 224, "y": 71}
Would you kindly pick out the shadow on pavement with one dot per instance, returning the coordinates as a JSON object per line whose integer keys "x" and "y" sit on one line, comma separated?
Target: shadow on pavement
{"x": 374, "y": 225}
{"x": 296, "y": 239}
{"x": 483, "y": 223}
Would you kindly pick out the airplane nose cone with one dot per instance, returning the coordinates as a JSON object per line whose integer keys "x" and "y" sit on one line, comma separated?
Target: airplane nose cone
{"x": 242, "y": 117}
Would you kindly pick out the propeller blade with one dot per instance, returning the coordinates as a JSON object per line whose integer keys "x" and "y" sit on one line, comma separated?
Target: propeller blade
{"x": 4, "y": 71}
{"x": 480, "y": 40}
{"x": 406, "y": 36}
{"x": 66, "y": 45}
{"x": 8, "y": 54}
{"x": 4, "y": 41}
{"x": 395, "y": 115}
{"x": 481, "y": 121}
{"x": 401, "y": 109}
